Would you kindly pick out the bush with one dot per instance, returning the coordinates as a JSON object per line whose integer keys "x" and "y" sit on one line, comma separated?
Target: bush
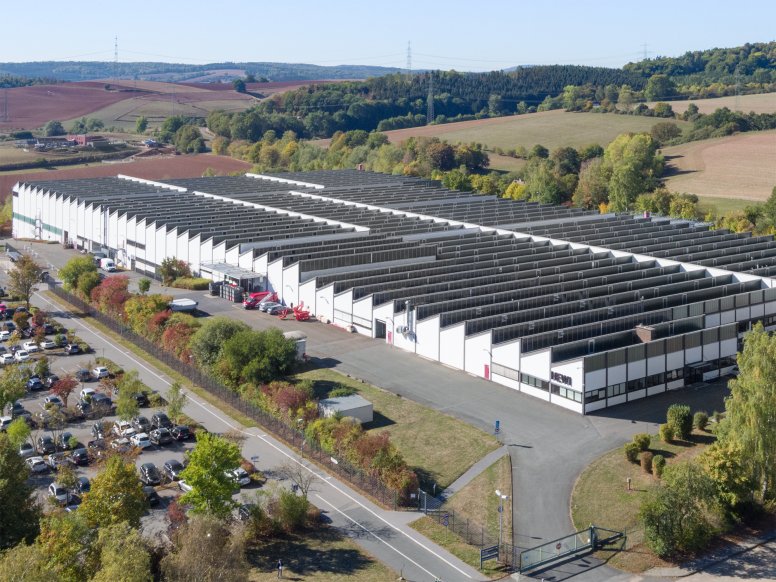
{"x": 658, "y": 465}
{"x": 642, "y": 440}
{"x": 192, "y": 284}
{"x": 341, "y": 391}
{"x": 646, "y": 461}
{"x": 112, "y": 366}
{"x": 716, "y": 416}
{"x": 292, "y": 511}
{"x": 632, "y": 452}
{"x": 679, "y": 417}
{"x": 700, "y": 420}
{"x": 666, "y": 432}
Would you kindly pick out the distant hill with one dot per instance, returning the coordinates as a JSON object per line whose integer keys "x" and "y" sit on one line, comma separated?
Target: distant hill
{"x": 90, "y": 70}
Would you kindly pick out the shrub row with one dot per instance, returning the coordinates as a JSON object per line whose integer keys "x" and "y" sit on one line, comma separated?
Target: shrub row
{"x": 191, "y": 283}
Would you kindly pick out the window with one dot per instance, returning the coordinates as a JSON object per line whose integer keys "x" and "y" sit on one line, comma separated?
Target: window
{"x": 535, "y": 382}
{"x": 500, "y": 370}
{"x": 595, "y": 395}
{"x": 638, "y": 384}
{"x": 566, "y": 393}
{"x": 675, "y": 375}
{"x": 615, "y": 389}
{"x": 655, "y": 379}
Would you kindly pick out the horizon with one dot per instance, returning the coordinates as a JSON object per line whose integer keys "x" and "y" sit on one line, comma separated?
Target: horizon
{"x": 609, "y": 36}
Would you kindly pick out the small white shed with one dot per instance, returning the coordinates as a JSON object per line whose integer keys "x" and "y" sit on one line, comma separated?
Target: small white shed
{"x": 353, "y": 406}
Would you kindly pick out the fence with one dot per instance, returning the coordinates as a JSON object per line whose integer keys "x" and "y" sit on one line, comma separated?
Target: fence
{"x": 586, "y": 540}
{"x": 296, "y": 438}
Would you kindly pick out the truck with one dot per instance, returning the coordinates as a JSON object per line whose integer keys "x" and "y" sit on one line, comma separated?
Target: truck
{"x": 107, "y": 265}
{"x": 301, "y": 343}
{"x": 183, "y": 305}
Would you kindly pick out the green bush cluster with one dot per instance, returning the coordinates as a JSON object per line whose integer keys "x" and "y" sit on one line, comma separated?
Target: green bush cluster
{"x": 666, "y": 432}
{"x": 700, "y": 420}
{"x": 642, "y": 440}
{"x": 647, "y": 461}
{"x": 658, "y": 465}
{"x": 632, "y": 452}
{"x": 679, "y": 417}
{"x": 191, "y": 283}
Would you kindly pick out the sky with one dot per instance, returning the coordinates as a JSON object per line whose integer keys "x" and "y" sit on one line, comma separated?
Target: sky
{"x": 451, "y": 34}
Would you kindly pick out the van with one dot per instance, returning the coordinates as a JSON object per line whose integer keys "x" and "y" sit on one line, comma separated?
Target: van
{"x": 107, "y": 265}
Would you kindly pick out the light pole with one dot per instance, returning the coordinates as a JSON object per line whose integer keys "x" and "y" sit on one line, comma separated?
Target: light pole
{"x": 501, "y": 499}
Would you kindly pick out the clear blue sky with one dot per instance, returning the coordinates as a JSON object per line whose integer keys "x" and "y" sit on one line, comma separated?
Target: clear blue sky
{"x": 464, "y": 35}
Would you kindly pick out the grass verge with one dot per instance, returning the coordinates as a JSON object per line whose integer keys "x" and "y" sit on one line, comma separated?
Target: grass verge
{"x": 438, "y": 447}
{"x": 322, "y": 555}
{"x": 601, "y": 497}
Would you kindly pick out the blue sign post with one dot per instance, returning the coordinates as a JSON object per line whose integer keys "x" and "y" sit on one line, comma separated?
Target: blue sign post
{"x": 498, "y": 427}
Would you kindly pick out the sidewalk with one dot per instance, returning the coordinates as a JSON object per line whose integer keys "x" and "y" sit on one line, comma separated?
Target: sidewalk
{"x": 383, "y": 534}
{"x": 473, "y": 472}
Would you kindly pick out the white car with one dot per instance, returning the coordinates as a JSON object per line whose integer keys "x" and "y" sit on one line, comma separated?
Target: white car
{"x": 87, "y": 393}
{"x": 123, "y": 429}
{"x": 58, "y": 492}
{"x": 100, "y": 372}
{"x": 21, "y": 356}
{"x": 4, "y": 422}
{"x": 140, "y": 440}
{"x": 31, "y": 346}
{"x": 185, "y": 487}
{"x": 5, "y": 335}
{"x": 240, "y": 476}
{"x": 48, "y": 344}
{"x": 37, "y": 465}
{"x": 6, "y": 359}
{"x": 50, "y": 401}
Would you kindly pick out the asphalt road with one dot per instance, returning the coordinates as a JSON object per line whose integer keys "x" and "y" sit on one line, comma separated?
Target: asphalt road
{"x": 550, "y": 446}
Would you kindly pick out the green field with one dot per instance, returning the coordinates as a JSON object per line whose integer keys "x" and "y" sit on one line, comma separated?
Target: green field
{"x": 552, "y": 129}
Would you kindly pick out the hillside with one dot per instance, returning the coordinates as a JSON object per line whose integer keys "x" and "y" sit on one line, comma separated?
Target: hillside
{"x": 758, "y": 103}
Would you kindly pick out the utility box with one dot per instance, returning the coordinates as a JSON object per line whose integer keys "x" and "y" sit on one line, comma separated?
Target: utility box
{"x": 301, "y": 343}
{"x": 354, "y": 406}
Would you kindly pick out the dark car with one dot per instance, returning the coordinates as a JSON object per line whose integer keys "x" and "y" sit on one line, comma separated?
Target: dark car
{"x": 50, "y": 380}
{"x": 71, "y": 349}
{"x": 101, "y": 403}
{"x": 45, "y": 445}
{"x": 181, "y": 433}
{"x": 82, "y": 485}
{"x": 151, "y": 495}
{"x": 34, "y": 384}
{"x": 83, "y": 408}
{"x": 48, "y": 329}
{"x": 160, "y": 436}
{"x": 17, "y": 409}
{"x": 160, "y": 420}
{"x": 96, "y": 447}
{"x": 245, "y": 511}
{"x": 141, "y": 424}
{"x": 141, "y": 399}
{"x": 98, "y": 430}
{"x": 56, "y": 460}
{"x": 79, "y": 457}
{"x": 83, "y": 375}
{"x": 172, "y": 469}
{"x": 63, "y": 440}
{"x": 149, "y": 474}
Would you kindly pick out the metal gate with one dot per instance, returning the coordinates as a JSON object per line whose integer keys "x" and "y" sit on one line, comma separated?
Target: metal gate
{"x": 584, "y": 541}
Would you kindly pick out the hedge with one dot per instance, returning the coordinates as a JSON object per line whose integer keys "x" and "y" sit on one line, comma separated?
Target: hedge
{"x": 193, "y": 284}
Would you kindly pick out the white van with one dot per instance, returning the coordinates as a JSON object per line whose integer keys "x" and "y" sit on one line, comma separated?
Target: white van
{"x": 107, "y": 265}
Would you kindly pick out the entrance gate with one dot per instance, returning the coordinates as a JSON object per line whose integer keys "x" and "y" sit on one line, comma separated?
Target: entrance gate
{"x": 581, "y": 542}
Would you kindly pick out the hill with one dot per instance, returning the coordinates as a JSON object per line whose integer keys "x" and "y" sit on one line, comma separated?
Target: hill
{"x": 90, "y": 70}
{"x": 758, "y": 103}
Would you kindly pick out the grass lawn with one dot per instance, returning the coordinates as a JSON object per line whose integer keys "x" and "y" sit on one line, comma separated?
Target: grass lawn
{"x": 438, "y": 447}
{"x": 506, "y": 163}
{"x": 721, "y": 206}
{"x": 601, "y": 497}
{"x": 477, "y": 503}
{"x": 322, "y": 555}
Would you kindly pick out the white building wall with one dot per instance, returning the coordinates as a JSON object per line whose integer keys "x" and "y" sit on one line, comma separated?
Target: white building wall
{"x": 655, "y": 365}
{"x": 507, "y": 354}
{"x": 160, "y": 248}
{"x": 637, "y": 369}
{"x": 711, "y": 351}
{"x": 291, "y": 285}
{"x": 427, "y": 337}
{"x": 362, "y": 315}
{"x": 725, "y": 317}
{"x": 535, "y": 392}
{"x": 205, "y": 251}
{"x": 245, "y": 260}
{"x": 195, "y": 252}
{"x": 232, "y": 256}
{"x": 385, "y": 313}
{"x": 593, "y": 406}
{"x": 477, "y": 354}
{"x": 595, "y": 379}
{"x": 566, "y": 403}
{"x": 536, "y": 364}
{"x": 307, "y": 296}
{"x": 182, "y": 248}
{"x": 343, "y": 308}
{"x": 219, "y": 252}
{"x": 675, "y": 360}
{"x": 452, "y": 346}
{"x": 324, "y": 303}
{"x": 728, "y": 347}
{"x": 260, "y": 265}
{"x": 275, "y": 276}
{"x": 573, "y": 370}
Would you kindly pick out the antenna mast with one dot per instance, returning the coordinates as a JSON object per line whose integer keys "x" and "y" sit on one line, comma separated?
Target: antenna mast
{"x": 430, "y": 98}
{"x": 115, "y": 58}
{"x": 409, "y": 58}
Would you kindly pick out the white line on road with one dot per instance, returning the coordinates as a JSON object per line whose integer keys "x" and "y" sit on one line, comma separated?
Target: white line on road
{"x": 281, "y": 451}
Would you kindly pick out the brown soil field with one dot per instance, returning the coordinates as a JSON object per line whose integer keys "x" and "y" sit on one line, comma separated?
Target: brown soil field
{"x": 741, "y": 166}
{"x": 760, "y": 103}
{"x": 165, "y": 168}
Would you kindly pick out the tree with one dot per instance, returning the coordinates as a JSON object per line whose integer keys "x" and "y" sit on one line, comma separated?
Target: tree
{"x": 18, "y": 512}
{"x": 116, "y": 496}
{"x": 13, "y": 385}
{"x": 143, "y": 285}
{"x": 176, "y": 401}
{"x": 188, "y": 139}
{"x": 256, "y": 357}
{"x": 665, "y": 131}
{"x": 73, "y": 270}
{"x": 123, "y": 555}
{"x": 53, "y": 128}
{"x": 64, "y": 387}
{"x": 23, "y": 278}
{"x": 26, "y": 563}
{"x": 139, "y": 309}
{"x": 679, "y": 417}
{"x": 626, "y": 98}
{"x": 208, "y": 341}
{"x": 207, "y": 549}
{"x": 209, "y": 462}
{"x": 141, "y": 124}
{"x": 172, "y": 268}
{"x": 749, "y": 421}
{"x": 239, "y": 85}
{"x": 128, "y": 387}
{"x": 18, "y": 432}
{"x": 110, "y": 295}
{"x": 539, "y": 151}
{"x": 633, "y": 165}
{"x": 65, "y": 539}
{"x": 659, "y": 87}
{"x": 299, "y": 475}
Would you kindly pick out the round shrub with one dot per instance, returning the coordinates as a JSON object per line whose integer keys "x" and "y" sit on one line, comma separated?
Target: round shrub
{"x": 632, "y": 452}
{"x": 642, "y": 439}
{"x": 700, "y": 420}
{"x": 658, "y": 465}
{"x": 666, "y": 432}
{"x": 646, "y": 461}
{"x": 679, "y": 417}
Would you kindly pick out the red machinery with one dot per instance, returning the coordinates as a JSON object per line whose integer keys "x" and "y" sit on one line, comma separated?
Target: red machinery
{"x": 298, "y": 313}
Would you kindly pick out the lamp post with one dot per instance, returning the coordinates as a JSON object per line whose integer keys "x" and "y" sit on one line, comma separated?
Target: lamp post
{"x": 501, "y": 499}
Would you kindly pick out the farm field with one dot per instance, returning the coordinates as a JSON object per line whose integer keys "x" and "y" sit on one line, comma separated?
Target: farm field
{"x": 552, "y": 129}
{"x": 738, "y": 167}
{"x": 760, "y": 103}
{"x": 190, "y": 166}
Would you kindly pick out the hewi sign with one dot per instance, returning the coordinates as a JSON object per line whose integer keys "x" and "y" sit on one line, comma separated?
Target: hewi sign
{"x": 562, "y": 378}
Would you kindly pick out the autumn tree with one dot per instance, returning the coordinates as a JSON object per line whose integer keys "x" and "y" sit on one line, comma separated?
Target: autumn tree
{"x": 74, "y": 269}
{"x": 172, "y": 268}
{"x": 128, "y": 387}
{"x": 208, "y": 341}
{"x": 23, "y": 278}
{"x": 143, "y": 285}
{"x": 26, "y": 563}
{"x": 176, "y": 401}
{"x": 123, "y": 555}
{"x": 110, "y": 295}
{"x": 65, "y": 539}
{"x": 256, "y": 357}
{"x": 18, "y": 512}
{"x": 139, "y": 309}
{"x": 116, "y": 496}
{"x": 13, "y": 385}
{"x": 64, "y": 387}
{"x": 209, "y": 462}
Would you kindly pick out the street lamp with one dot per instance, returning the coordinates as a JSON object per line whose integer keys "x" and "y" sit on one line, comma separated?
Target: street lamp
{"x": 501, "y": 499}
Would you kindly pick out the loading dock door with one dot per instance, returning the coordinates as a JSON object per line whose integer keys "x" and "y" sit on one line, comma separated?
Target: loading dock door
{"x": 379, "y": 329}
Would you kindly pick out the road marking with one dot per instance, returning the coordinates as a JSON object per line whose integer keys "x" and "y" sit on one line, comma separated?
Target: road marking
{"x": 278, "y": 449}
{"x": 377, "y": 537}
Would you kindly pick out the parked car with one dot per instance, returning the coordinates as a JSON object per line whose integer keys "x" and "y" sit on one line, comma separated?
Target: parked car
{"x": 48, "y": 344}
{"x": 87, "y": 393}
{"x": 240, "y": 476}
{"x": 58, "y": 492}
{"x": 122, "y": 428}
{"x": 268, "y": 305}
{"x": 6, "y": 359}
{"x": 45, "y": 445}
{"x": 275, "y": 309}
{"x": 245, "y": 511}
{"x": 185, "y": 487}
{"x": 9, "y": 325}
{"x": 181, "y": 433}
{"x": 149, "y": 474}
{"x": 82, "y": 485}
{"x": 160, "y": 437}
{"x": 50, "y": 380}
{"x": 21, "y": 356}
{"x": 98, "y": 430}
{"x": 100, "y": 372}
{"x": 250, "y": 304}
{"x": 160, "y": 420}
{"x": 63, "y": 440}
{"x": 101, "y": 403}
{"x": 140, "y": 440}
{"x": 17, "y": 409}
{"x": 82, "y": 375}
{"x": 37, "y": 465}
{"x": 96, "y": 447}
{"x": 48, "y": 329}
{"x": 5, "y": 422}
{"x": 172, "y": 469}
{"x": 26, "y": 450}
{"x": 31, "y": 347}
{"x": 79, "y": 457}
{"x": 71, "y": 349}
{"x": 141, "y": 399}
{"x": 122, "y": 445}
{"x": 141, "y": 424}
{"x": 152, "y": 497}
{"x": 52, "y": 402}
{"x": 34, "y": 384}
{"x": 5, "y": 335}
{"x": 56, "y": 460}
